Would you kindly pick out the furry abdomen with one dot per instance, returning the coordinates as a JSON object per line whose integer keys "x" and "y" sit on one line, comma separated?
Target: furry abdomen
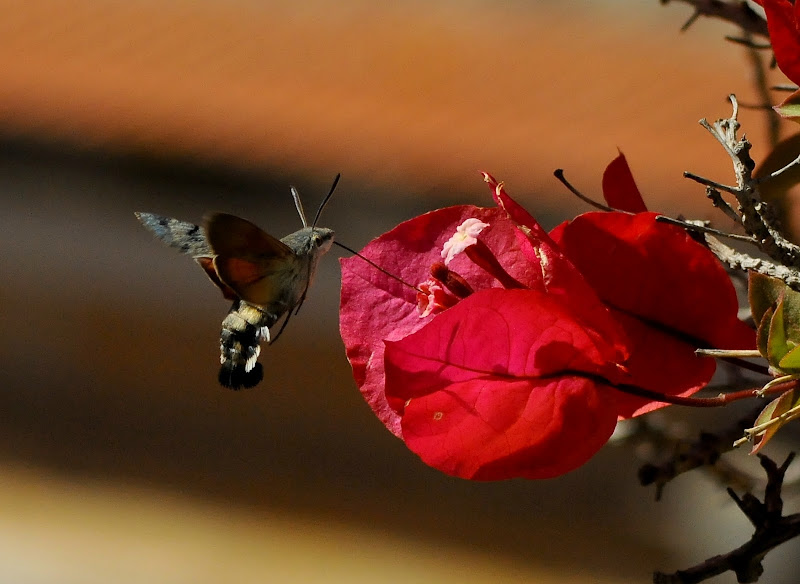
{"x": 243, "y": 329}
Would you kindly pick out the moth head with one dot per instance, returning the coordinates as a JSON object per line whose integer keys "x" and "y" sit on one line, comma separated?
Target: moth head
{"x": 310, "y": 240}
{"x": 322, "y": 238}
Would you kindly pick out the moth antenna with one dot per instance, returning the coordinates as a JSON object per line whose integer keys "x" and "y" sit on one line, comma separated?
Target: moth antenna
{"x": 299, "y": 206}
{"x": 325, "y": 200}
{"x": 377, "y": 267}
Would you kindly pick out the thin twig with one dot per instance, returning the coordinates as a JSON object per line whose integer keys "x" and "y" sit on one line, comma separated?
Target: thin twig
{"x": 716, "y": 199}
{"x": 696, "y": 226}
{"x": 722, "y": 399}
{"x": 780, "y": 171}
{"x": 559, "y": 174}
{"x": 708, "y": 182}
{"x": 755, "y": 215}
{"x": 743, "y": 261}
{"x": 772, "y": 529}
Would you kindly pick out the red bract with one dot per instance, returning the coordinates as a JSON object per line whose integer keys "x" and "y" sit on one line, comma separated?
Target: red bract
{"x": 505, "y": 384}
{"x": 521, "y": 377}
{"x": 619, "y": 188}
{"x": 668, "y": 292}
{"x": 783, "y": 22}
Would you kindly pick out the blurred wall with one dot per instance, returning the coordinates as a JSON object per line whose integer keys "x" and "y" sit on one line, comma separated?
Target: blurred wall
{"x": 120, "y": 457}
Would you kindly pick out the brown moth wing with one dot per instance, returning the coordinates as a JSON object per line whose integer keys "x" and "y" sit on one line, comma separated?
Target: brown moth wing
{"x": 248, "y": 260}
{"x": 207, "y": 263}
{"x": 229, "y": 235}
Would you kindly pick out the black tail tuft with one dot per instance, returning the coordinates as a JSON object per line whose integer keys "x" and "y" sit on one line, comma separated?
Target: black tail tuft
{"x": 235, "y": 377}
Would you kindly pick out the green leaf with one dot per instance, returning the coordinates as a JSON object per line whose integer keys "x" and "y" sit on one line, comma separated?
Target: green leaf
{"x": 762, "y": 334}
{"x": 791, "y": 315}
{"x": 770, "y": 416}
{"x": 789, "y": 108}
{"x": 790, "y": 363}
{"x": 776, "y": 310}
{"x": 763, "y": 293}
{"x": 776, "y": 343}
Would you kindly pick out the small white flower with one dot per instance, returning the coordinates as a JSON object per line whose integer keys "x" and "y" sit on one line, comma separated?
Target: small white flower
{"x": 466, "y": 234}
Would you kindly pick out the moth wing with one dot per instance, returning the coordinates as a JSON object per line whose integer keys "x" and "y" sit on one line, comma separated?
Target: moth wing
{"x": 229, "y": 235}
{"x": 248, "y": 260}
{"x": 207, "y": 263}
{"x": 181, "y": 235}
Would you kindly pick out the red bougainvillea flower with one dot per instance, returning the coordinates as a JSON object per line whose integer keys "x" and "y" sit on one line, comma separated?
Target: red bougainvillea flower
{"x": 783, "y": 23}
{"x": 509, "y": 360}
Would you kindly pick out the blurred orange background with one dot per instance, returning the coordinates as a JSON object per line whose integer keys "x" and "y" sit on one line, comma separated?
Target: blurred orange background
{"x": 120, "y": 457}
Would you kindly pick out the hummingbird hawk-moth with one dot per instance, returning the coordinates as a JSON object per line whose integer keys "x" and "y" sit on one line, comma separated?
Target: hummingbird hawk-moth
{"x": 265, "y": 277}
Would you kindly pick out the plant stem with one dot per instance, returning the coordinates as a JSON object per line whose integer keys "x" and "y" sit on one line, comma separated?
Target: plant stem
{"x": 705, "y": 402}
